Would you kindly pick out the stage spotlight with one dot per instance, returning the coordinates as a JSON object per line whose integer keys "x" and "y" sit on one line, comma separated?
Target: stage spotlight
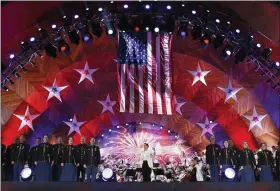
{"x": 100, "y": 9}
{"x": 112, "y": 1}
{"x": 96, "y": 29}
{"x": 5, "y": 88}
{"x": 26, "y": 175}
{"x": 87, "y": 9}
{"x": 147, "y": 29}
{"x": 50, "y": 50}
{"x": 205, "y": 40}
{"x": 229, "y": 174}
{"x": 123, "y": 24}
{"x": 237, "y": 31}
{"x": 250, "y": 39}
{"x": 110, "y": 31}
{"x": 23, "y": 68}
{"x": 210, "y": 121}
{"x": 153, "y": 125}
{"x": 53, "y": 26}
{"x": 118, "y": 126}
{"x": 25, "y": 46}
{"x": 125, "y": 6}
{"x": 169, "y": 131}
{"x": 32, "y": 39}
{"x": 277, "y": 64}
{"x": 168, "y": 7}
{"x": 10, "y": 81}
{"x": 193, "y": 12}
{"x": 86, "y": 36}
{"x": 76, "y": 16}
{"x": 259, "y": 45}
{"x": 226, "y": 53}
{"x": 241, "y": 55}
{"x": 170, "y": 25}
{"x": 108, "y": 175}
{"x": 73, "y": 36}
{"x": 217, "y": 20}
{"x": 176, "y": 136}
{"x": 110, "y": 130}
{"x": 147, "y": 7}
{"x": 161, "y": 127}
{"x": 228, "y": 22}
{"x": 126, "y": 124}
{"x": 218, "y": 41}
{"x": 208, "y": 11}
{"x": 12, "y": 56}
{"x": 43, "y": 33}
{"x": 16, "y": 74}
{"x": 183, "y": 5}
{"x": 156, "y": 29}
{"x": 64, "y": 17}
{"x": 196, "y": 32}
{"x": 183, "y": 31}
{"x": 266, "y": 53}
{"x": 63, "y": 47}
{"x": 102, "y": 135}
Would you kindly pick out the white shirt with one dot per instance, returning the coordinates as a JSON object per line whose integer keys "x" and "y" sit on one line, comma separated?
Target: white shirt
{"x": 199, "y": 174}
{"x": 146, "y": 155}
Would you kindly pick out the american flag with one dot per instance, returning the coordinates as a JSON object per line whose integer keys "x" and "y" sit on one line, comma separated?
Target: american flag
{"x": 145, "y": 73}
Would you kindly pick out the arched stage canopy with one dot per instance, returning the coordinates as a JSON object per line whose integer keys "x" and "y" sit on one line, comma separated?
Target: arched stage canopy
{"x": 21, "y": 20}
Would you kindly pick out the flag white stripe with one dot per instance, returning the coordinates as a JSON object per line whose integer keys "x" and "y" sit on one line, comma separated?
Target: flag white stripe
{"x": 149, "y": 76}
{"x": 122, "y": 84}
{"x": 167, "y": 74}
{"x": 158, "y": 76}
{"x": 131, "y": 89}
{"x": 141, "y": 92}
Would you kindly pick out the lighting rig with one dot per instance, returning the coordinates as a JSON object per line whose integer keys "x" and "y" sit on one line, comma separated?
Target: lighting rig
{"x": 215, "y": 31}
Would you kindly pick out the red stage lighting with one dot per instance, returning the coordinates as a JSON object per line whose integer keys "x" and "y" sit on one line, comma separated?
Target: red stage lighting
{"x": 137, "y": 29}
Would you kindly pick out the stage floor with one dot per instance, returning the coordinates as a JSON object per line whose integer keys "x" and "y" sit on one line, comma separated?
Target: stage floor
{"x": 202, "y": 186}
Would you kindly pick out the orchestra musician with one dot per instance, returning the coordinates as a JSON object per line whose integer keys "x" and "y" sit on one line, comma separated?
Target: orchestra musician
{"x": 68, "y": 163}
{"x": 43, "y": 161}
{"x": 91, "y": 161}
{"x": 146, "y": 160}
{"x": 57, "y": 150}
{"x": 20, "y": 158}
{"x": 212, "y": 153}
{"x": 247, "y": 163}
{"x": 81, "y": 151}
{"x": 265, "y": 163}
{"x": 226, "y": 156}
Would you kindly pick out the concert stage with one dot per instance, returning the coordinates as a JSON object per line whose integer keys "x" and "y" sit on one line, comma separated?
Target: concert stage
{"x": 69, "y": 186}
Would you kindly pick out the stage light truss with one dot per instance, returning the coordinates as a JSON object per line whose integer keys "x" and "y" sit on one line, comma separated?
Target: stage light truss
{"x": 212, "y": 29}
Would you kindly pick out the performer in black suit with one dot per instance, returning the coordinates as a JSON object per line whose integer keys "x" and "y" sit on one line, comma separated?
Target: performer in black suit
{"x": 277, "y": 161}
{"x": 81, "y": 151}
{"x": 33, "y": 153}
{"x": 212, "y": 154}
{"x": 9, "y": 166}
{"x": 69, "y": 168}
{"x": 226, "y": 156}
{"x": 43, "y": 161}
{"x": 20, "y": 158}
{"x": 92, "y": 160}
{"x": 235, "y": 152}
{"x": 57, "y": 150}
{"x": 3, "y": 160}
{"x": 265, "y": 163}
{"x": 247, "y": 163}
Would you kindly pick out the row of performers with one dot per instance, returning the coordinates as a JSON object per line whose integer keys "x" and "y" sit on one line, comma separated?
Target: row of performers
{"x": 57, "y": 162}
{"x": 245, "y": 163}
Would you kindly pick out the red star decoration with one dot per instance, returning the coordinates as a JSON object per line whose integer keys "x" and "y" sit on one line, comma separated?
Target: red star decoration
{"x": 198, "y": 74}
{"x": 86, "y": 72}
{"x": 255, "y": 119}
{"x": 26, "y": 118}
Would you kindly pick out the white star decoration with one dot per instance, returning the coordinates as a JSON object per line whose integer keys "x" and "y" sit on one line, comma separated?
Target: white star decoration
{"x": 26, "y": 119}
{"x": 230, "y": 92}
{"x": 207, "y": 127}
{"x": 178, "y": 105}
{"x": 55, "y": 90}
{"x": 199, "y": 75}
{"x": 107, "y": 105}
{"x": 255, "y": 119}
{"x": 86, "y": 73}
{"x": 74, "y": 125}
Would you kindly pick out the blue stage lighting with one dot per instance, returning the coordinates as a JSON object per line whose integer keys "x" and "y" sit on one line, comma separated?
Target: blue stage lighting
{"x": 26, "y": 175}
